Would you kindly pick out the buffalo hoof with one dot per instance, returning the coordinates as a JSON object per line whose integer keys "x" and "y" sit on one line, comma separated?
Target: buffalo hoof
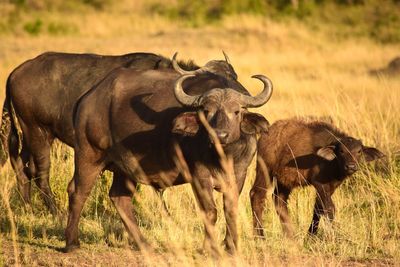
{"x": 214, "y": 252}
{"x": 71, "y": 248}
{"x": 230, "y": 248}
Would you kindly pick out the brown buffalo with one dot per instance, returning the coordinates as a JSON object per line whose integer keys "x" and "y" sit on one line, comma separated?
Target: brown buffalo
{"x": 133, "y": 122}
{"x": 299, "y": 153}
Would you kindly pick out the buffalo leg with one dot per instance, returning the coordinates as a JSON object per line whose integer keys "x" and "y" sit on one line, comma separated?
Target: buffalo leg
{"x": 323, "y": 206}
{"x": 87, "y": 168}
{"x": 39, "y": 143}
{"x": 281, "y": 197}
{"x": 204, "y": 194}
{"x": 19, "y": 161}
{"x": 121, "y": 193}
{"x": 258, "y": 194}
{"x": 41, "y": 160}
{"x": 231, "y": 197}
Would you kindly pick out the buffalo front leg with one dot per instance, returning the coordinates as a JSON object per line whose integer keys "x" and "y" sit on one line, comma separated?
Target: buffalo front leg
{"x": 203, "y": 192}
{"x": 78, "y": 191}
{"x": 323, "y": 206}
{"x": 121, "y": 193}
{"x": 281, "y": 196}
{"x": 231, "y": 197}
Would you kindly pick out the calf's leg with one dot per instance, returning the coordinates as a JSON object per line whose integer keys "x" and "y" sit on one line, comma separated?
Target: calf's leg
{"x": 323, "y": 206}
{"x": 281, "y": 196}
{"x": 258, "y": 194}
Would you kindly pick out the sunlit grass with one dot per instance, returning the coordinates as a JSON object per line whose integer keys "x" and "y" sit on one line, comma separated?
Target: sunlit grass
{"x": 312, "y": 75}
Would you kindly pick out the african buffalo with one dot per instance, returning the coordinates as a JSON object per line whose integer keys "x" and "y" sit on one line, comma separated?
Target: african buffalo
{"x": 139, "y": 123}
{"x": 299, "y": 153}
{"x": 42, "y": 92}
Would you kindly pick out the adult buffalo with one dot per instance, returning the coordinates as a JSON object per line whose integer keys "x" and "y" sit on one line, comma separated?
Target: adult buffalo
{"x": 43, "y": 92}
{"x": 133, "y": 123}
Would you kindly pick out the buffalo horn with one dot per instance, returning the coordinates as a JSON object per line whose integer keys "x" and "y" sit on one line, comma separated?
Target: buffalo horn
{"x": 226, "y": 57}
{"x": 263, "y": 97}
{"x": 181, "y": 96}
{"x": 179, "y": 69}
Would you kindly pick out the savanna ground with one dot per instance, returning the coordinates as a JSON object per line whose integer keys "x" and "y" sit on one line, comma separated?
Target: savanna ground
{"x": 314, "y": 71}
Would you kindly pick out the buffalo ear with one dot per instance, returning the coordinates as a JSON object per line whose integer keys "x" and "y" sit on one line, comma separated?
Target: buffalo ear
{"x": 371, "y": 153}
{"x": 186, "y": 124}
{"x": 254, "y": 123}
{"x": 327, "y": 152}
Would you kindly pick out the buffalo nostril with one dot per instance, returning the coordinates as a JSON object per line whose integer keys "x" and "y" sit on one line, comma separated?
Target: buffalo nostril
{"x": 351, "y": 166}
{"x": 222, "y": 135}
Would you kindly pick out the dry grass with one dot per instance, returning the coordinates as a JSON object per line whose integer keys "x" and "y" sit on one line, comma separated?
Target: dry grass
{"x": 312, "y": 75}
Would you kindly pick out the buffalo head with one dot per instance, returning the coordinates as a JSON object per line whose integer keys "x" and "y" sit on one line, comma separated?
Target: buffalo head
{"x": 225, "y": 110}
{"x": 349, "y": 151}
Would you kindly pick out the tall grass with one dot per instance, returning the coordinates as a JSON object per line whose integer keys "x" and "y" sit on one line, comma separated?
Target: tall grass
{"x": 313, "y": 74}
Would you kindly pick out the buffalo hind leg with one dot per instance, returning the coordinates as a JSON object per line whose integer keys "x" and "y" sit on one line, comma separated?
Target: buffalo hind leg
{"x": 19, "y": 162}
{"x": 121, "y": 192}
{"x": 281, "y": 196}
{"x": 41, "y": 159}
{"x": 39, "y": 143}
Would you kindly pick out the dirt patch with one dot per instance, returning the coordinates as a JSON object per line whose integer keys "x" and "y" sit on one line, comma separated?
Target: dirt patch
{"x": 40, "y": 253}
{"x": 36, "y": 253}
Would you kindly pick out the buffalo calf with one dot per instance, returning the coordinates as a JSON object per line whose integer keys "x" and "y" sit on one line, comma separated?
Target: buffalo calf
{"x": 299, "y": 153}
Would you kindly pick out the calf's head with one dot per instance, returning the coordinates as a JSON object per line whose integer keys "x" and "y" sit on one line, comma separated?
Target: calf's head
{"x": 348, "y": 152}
{"x": 225, "y": 110}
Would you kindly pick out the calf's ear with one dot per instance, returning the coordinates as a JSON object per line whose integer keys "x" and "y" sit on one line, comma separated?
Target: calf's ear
{"x": 254, "y": 123}
{"x": 186, "y": 124}
{"x": 371, "y": 153}
{"x": 327, "y": 152}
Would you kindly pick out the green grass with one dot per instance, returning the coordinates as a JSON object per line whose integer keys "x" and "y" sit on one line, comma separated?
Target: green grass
{"x": 378, "y": 20}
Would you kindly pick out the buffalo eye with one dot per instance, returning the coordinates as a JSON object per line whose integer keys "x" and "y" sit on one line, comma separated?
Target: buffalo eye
{"x": 237, "y": 112}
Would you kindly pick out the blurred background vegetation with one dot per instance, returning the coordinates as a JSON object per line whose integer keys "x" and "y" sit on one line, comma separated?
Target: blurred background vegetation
{"x": 375, "y": 19}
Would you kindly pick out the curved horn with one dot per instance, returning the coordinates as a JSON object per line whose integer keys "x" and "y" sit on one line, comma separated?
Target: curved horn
{"x": 226, "y": 57}
{"x": 178, "y": 68}
{"x": 181, "y": 96}
{"x": 263, "y": 97}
